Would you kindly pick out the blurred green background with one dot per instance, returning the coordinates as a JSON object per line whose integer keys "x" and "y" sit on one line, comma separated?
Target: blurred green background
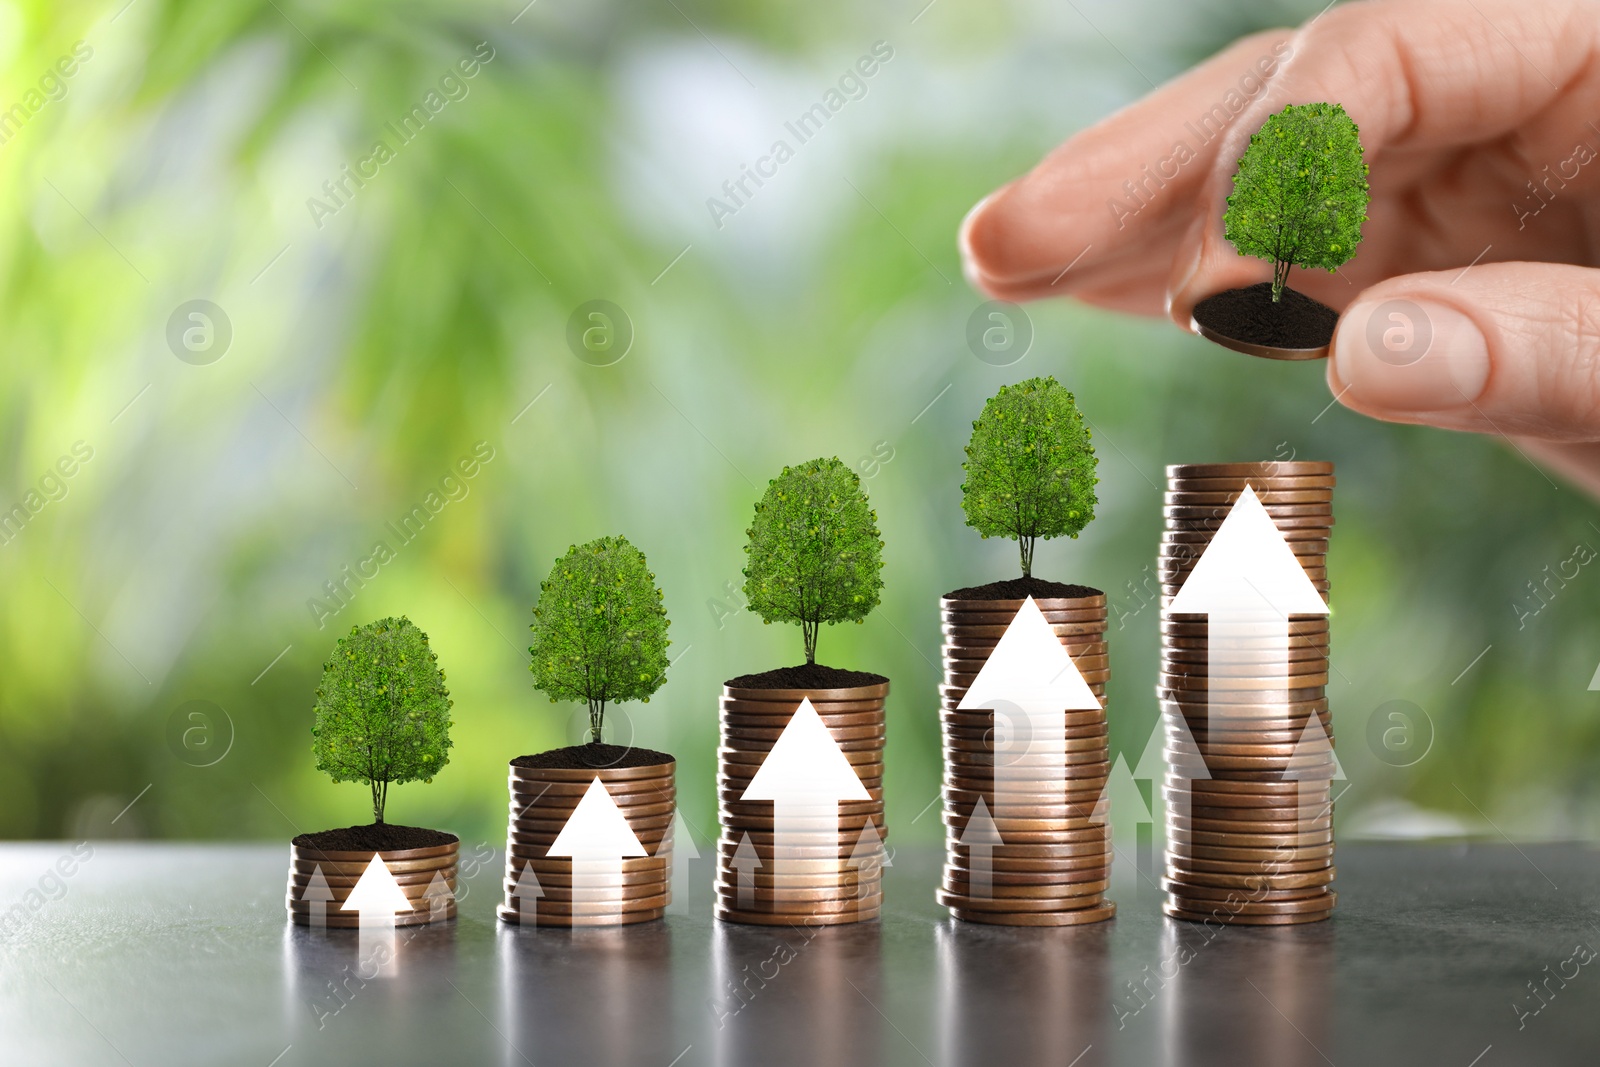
{"x": 378, "y": 339}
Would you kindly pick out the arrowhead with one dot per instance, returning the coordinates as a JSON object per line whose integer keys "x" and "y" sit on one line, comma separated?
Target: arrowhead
{"x": 1314, "y": 743}
{"x": 1030, "y": 667}
{"x": 528, "y": 887}
{"x": 744, "y": 857}
{"x": 1150, "y": 766}
{"x": 1248, "y": 568}
{"x": 806, "y": 764}
{"x": 1122, "y": 793}
{"x": 682, "y": 839}
{"x": 316, "y": 887}
{"x": 869, "y": 851}
{"x": 376, "y": 892}
{"x": 596, "y": 829}
{"x": 981, "y": 831}
{"x": 438, "y": 892}
{"x": 1594, "y": 683}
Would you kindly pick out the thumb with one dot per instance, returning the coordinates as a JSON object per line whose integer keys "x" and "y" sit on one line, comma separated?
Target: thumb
{"x": 1504, "y": 348}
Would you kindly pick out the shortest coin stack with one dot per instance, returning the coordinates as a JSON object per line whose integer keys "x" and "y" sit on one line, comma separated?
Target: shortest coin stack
{"x": 1249, "y": 752}
{"x": 320, "y": 881}
{"x": 544, "y": 890}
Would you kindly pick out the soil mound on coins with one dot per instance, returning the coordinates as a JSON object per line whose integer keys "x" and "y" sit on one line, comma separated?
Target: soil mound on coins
{"x": 806, "y": 676}
{"x": 374, "y": 837}
{"x": 593, "y": 757}
{"x": 1022, "y": 588}
{"x": 1249, "y": 315}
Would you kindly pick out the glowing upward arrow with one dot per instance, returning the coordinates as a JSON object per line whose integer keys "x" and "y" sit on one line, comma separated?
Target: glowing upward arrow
{"x": 1248, "y": 582}
{"x": 1030, "y": 682}
{"x": 438, "y": 895}
{"x": 1309, "y": 764}
{"x": 317, "y": 894}
{"x": 528, "y": 893}
{"x": 596, "y": 837}
{"x": 683, "y": 851}
{"x": 745, "y": 862}
{"x": 980, "y": 837}
{"x": 805, "y": 776}
{"x": 375, "y": 899}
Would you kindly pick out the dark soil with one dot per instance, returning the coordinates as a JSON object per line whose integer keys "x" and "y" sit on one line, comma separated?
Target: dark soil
{"x": 374, "y": 837}
{"x": 593, "y": 757}
{"x": 806, "y": 676}
{"x": 1249, "y": 315}
{"x": 1021, "y": 589}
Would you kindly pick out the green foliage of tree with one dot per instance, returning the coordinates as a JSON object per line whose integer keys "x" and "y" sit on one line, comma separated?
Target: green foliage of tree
{"x": 600, "y": 629}
{"x": 1300, "y": 194}
{"x": 382, "y": 712}
{"x": 1030, "y": 467}
{"x": 814, "y": 554}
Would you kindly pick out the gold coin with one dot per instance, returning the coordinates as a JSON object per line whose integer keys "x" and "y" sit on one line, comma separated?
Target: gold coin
{"x": 1057, "y": 903}
{"x": 756, "y": 918}
{"x": 1072, "y": 917}
{"x": 1086, "y": 603}
{"x": 512, "y": 913}
{"x": 607, "y": 775}
{"x": 876, "y": 691}
{"x": 391, "y": 857}
{"x": 1244, "y": 920}
{"x": 349, "y": 920}
{"x": 828, "y": 711}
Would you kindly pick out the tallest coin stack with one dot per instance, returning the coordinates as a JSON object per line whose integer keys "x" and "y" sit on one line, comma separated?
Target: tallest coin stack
{"x": 1249, "y": 754}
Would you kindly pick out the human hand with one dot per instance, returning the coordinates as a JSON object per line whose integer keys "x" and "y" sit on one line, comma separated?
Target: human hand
{"x": 1481, "y": 124}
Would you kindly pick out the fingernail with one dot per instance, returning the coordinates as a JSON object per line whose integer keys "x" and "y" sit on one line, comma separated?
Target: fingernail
{"x": 1410, "y": 355}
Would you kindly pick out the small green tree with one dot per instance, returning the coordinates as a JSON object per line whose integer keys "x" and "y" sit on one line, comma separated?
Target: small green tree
{"x": 382, "y": 712}
{"x": 600, "y": 629}
{"x": 1300, "y": 195}
{"x": 814, "y": 555}
{"x": 1030, "y": 467}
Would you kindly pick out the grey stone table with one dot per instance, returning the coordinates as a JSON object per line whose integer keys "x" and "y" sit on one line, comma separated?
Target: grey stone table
{"x": 1465, "y": 956}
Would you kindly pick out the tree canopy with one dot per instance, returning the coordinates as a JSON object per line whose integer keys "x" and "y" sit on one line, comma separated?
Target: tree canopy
{"x": 1030, "y": 467}
{"x": 814, "y": 554}
{"x": 1300, "y": 194}
{"x": 600, "y": 629}
{"x": 382, "y": 711}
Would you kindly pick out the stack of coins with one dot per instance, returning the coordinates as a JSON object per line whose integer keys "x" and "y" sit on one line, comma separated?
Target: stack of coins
{"x": 829, "y": 875}
{"x": 313, "y": 903}
{"x": 543, "y": 890}
{"x": 1249, "y": 753}
{"x": 1047, "y": 859}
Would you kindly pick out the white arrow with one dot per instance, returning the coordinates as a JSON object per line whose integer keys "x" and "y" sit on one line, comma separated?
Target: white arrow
{"x": 1594, "y": 682}
{"x": 438, "y": 895}
{"x": 375, "y": 899}
{"x": 868, "y": 859}
{"x": 1309, "y": 763}
{"x": 805, "y": 776}
{"x": 317, "y": 894}
{"x": 528, "y": 893}
{"x": 1248, "y": 582}
{"x": 980, "y": 838}
{"x": 596, "y": 837}
{"x": 683, "y": 850}
{"x": 1030, "y": 682}
{"x": 1122, "y": 796}
{"x": 745, "y": 862}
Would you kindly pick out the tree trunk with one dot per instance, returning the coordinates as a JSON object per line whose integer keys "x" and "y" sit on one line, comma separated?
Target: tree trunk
{"x": 1280, "y": 278}
{"x": 808, "y": 631}
{"x": 1025, "y": 545}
